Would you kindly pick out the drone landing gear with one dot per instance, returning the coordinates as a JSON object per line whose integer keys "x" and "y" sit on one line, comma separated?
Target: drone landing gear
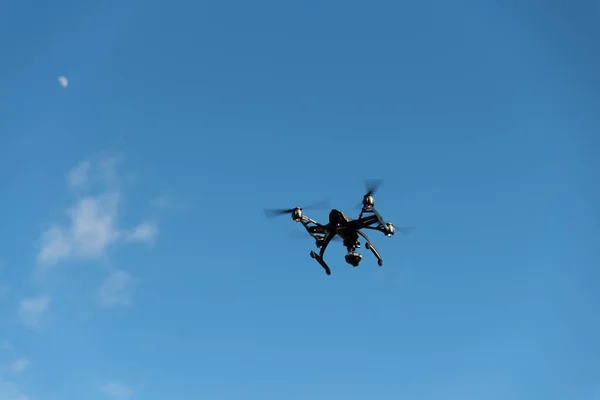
{"x": 369, "y": 245}
{"x": 321, "y": 262}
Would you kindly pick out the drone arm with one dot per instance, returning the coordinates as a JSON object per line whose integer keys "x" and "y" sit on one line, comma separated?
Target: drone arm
{"x": 307, "y": 220}
{"x": 367, "y": 221}
{"x": 375, "y": 228}
{"x": 373, "y": 221}
{"x": 314, "y": 228}
{"x": 379, "y": 217}
{"x": 375, "y": 217}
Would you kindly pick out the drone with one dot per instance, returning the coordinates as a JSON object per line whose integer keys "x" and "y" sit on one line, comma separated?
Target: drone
{"x": 344, "y": 227}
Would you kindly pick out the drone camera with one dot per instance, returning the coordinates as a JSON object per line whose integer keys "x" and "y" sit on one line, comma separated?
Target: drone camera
{"x": 353, "y": 258}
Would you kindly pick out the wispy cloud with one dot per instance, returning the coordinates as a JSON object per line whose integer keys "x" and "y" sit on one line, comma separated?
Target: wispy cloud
{"x": 170, "y": 203}
{"x": 93, "y": 221}
{"x": 91, "y": 229}
{"x": 32, "y": 309}
{"x": 117, "y": 390}
{"x": 144, "y": 232}
{"x": 10, "y": 391}
{"x": 20, "y": 365}
{"x": 63, "y": 81}
{"x": 115, "y": 291}
{"x": 79, "y": 176}
{"x": 161, "y": 202}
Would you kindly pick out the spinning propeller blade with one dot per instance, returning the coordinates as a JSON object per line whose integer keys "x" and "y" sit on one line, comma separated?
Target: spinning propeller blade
{"x": 315, "y": 206}
{"x": 371, "y": 185}
{"x": 405, "y": 229}
{"x": 275, "y": 212}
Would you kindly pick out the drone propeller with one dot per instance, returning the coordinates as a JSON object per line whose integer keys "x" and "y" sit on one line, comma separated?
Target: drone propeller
{"x": 275, "y": 212}
{"x": 316, "y": 206}
{"x": 371, "y": 185}
{"x": 405, "y": 229}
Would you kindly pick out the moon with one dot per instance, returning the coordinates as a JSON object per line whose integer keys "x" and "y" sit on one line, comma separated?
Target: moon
{"x": 63, "y": 81}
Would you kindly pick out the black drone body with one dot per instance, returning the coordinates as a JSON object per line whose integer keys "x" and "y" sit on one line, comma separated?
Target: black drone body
{"x": 345, "y": 228}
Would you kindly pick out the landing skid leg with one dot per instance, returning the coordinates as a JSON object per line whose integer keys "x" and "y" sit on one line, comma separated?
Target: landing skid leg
{"x": 369, "y": 245}
{"x": 320, "y": 261}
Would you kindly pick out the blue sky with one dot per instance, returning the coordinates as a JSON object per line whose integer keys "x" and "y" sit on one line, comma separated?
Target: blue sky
{"x": 136, "y": 261}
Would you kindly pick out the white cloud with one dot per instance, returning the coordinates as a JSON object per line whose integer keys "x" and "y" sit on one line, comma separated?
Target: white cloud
{"x": 92, "y": 228}
{"x": 144, "y": 232}
{"x": 161, "y": 202}
{"x": 168, "y": 203}
{"x": 115, "y": 289}
{"x": 93, "y": 224}
{"x": 63, "y": 81}
{"x": 108, "y": 169}
{"x": 10, "y": 391}
{"x": 78, "y": 176}
{"x": 56, "y": 245}
{"x": 93, "y": 221}
{"x": 20, "y": 365}
{"x": 117, "y": 390}
{"x": 32, "y": 309}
